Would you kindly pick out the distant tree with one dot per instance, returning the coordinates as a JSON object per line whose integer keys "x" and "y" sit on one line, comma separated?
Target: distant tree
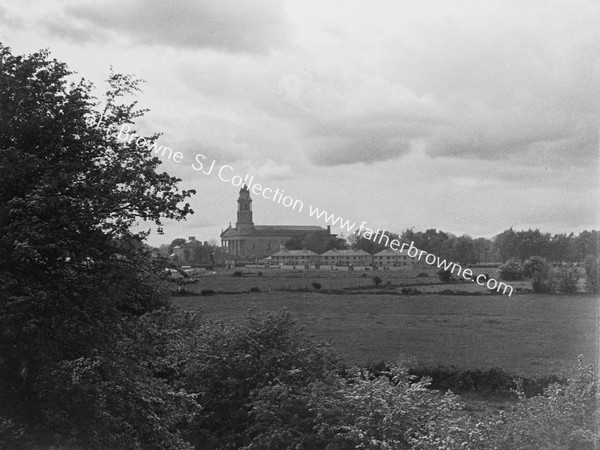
{"x": 445, "y": 276}
{"x": 512, "y": 270}
{"x": 175, "y": 243}
{"x": 591, "y": 273}
{"x": 568, "y": 277}
{"x": 541, "y": 274}
{"x": 534, "y": 265}
{"x": 377, "y": 280}
{"x": 164, "y": 250}
{"x": 294, "y": 243}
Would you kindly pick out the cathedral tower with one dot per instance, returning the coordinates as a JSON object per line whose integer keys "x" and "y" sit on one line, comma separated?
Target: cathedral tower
{"x": 244, "y": 213}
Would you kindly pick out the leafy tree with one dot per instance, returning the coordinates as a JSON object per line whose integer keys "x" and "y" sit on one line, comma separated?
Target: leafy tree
{"x": 445, "y": 275}
{"x": 541, "y": 274}
{"x": 295, "y": 243}
{"x": 591, "y": 273}
{"x": 176, "y": 242}
{"x": 74, "y": 277}
{"x": 512, "y": 270}
{"x": 568, "y": 278}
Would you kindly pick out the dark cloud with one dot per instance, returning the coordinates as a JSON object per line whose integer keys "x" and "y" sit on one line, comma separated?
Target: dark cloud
{"x": 250, "y": 26}
{"x": 73, "y": 33}
{"x": 362, "y": 139}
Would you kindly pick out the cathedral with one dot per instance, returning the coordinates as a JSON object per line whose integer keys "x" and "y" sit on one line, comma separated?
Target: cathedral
{"x": 249, "y": 241}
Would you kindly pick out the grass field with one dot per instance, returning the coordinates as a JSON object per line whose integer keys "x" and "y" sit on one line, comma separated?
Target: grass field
{"x": 528, "y": 334}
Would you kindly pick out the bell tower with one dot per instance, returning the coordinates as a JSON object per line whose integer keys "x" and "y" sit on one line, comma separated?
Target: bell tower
{"x": 244, "y": 212}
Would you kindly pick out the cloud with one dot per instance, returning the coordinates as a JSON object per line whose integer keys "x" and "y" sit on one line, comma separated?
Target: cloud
{"x": 270, "y": 170}
{"x": 251, "y": 26}
{"x": 349, "y": 118}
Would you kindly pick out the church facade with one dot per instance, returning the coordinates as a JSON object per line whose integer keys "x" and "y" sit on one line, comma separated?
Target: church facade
{"x": 249, "y": 241}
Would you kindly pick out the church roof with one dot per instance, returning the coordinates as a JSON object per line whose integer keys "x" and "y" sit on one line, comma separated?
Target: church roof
{"x": 288, "y": 228}
{"x": 273, "y": 230}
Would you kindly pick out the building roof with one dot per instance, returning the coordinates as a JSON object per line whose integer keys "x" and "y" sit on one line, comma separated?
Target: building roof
{"x": 346, "y": 253}
{"x": 289, "y": 228}
{"x": 390, "y": 252}
{"x": 295, "y": 253}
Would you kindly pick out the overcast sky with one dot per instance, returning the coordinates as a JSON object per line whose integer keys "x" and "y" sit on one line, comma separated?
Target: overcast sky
{"x": 466, "y": 116}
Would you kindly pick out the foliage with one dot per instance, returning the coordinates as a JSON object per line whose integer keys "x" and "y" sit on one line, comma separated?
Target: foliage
{"x": 591, "y": 273}
{"x": 229, "y": 365}
{"x": 316, "y": 285}
{"x": 567, "y": 279}
{"x": 540, "y": 272}
{"x": 237, "y": 273}
{"x": 545, "y": 279}
{"x": 377, "y": 280}
{"x": 445, "y": 275}
{"x": 562, "y": 418}
{"x": 316, "y": 241}
{"x": 512, "y": 270}
{"x": 73, "y": 274}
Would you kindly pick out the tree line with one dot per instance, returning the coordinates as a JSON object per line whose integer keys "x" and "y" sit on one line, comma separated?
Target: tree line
{"x": 464, "y": 249}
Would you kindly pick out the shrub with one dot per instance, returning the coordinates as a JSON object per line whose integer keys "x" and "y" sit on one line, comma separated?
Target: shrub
{"x": 237, "y": 273}
{"x": 542, "y": 279}
{"x": 316, "y": 285}
{"x": 591, "y": 273}
{"x": 445, "y": 275}
{"x": 377, "y": 280}
{"x": 534, "y": 265}
{"x": 206, "y": 292}
{"x": 512, "y": 270}
{"x": 260, "y": 274}
{"x": 254, "y": 289}
{"x": 410, "y": 291}
{"x": 234, "y": 369}
{"x": 567, "y": 279}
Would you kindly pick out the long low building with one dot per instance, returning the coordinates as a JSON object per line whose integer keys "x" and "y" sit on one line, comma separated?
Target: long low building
{"x": 344, "y": 259}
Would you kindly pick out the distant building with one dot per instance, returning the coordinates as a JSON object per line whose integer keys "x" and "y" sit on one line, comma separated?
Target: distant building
{"x": 194, "y": 252}
{"x": 296, "y": 259}
{"x": 346, "y": 258}
{"x": 251, "y": 241}
{"x": 394, "y": 260}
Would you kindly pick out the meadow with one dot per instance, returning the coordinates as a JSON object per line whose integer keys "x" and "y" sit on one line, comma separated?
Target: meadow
{"x": 527, "y": 334}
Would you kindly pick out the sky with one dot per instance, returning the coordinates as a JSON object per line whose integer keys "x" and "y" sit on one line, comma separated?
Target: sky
{"x": 466, "y": 116}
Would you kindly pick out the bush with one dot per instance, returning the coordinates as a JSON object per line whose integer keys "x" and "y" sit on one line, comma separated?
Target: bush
{"x": 316, "y": 285}
{"x": 591, "y": 273}
{"x": 567, "y": 279}
{"x": 234, "y": 369}
{"x": 535, "y": 264}
{"x": 512, "y": 270}
{"x": 377, "y": 280}
{"x": 445, "y": 276}
{"x": 206, "y": 292}
{"x": 254, "y": 289}
{"x": 410, "y": 291}
{"x": 237, "y": 273}
{"x": 540, "y": 272}
{"x": 260, "y": 274}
